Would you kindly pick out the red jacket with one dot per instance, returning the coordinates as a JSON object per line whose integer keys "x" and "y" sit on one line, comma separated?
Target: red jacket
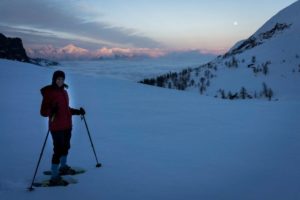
{"x": 56, "y": 97}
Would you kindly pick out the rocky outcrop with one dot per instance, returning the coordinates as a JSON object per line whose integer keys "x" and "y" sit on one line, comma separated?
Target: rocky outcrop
{"x": 12, "y": 49}
{"x": 254, "y": 41}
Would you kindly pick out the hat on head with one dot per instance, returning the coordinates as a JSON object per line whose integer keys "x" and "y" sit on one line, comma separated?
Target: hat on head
{"x": 56, "y": 75}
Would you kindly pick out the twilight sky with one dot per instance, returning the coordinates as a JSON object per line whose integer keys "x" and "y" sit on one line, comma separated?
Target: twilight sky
{"x": 207, "y": 25}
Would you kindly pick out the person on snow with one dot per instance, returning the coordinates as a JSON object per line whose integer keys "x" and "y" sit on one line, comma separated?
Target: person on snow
{"x": 55, "y": 106}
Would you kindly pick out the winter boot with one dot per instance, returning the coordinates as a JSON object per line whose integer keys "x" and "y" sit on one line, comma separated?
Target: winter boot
{"x": 56, "y": 179}
{"x": 66, "y": 170}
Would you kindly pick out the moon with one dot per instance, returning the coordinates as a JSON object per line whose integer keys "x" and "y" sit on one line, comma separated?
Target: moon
{"x": 235, "y": 23}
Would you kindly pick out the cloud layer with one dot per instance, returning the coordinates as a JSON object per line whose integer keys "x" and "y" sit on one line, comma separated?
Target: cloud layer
{"x": 50, "y": 21}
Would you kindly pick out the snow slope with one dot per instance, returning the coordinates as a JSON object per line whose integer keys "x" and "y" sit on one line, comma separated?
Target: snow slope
{"x": 153, "y": 143}
{"x": 271, "y": 56}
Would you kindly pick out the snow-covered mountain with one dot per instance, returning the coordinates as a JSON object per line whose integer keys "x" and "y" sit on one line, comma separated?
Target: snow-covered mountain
{"x": 72, "y": 52}
{"x": 68, "y": 52}
{"x": 72, "y": 49}
{"x": 267, "y": 64}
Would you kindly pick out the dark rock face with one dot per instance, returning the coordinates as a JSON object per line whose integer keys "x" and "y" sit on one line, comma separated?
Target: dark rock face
{"x": 43, "y": 62}
{"x": 12, "y": 49}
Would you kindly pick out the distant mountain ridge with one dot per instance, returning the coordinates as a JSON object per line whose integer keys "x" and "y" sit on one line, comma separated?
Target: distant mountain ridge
{"x": 266, "y": 65}
{"x": 73, "y": 52}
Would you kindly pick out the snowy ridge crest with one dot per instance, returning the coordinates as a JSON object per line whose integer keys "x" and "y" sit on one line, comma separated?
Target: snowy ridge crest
{"x": 254, "y": 41}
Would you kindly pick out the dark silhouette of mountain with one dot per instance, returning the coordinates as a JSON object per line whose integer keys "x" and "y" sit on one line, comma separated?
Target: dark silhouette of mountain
{"x": 12, "y": 49}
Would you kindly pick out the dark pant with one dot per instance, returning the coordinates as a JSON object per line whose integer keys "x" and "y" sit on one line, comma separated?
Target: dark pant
{"x": 61, "y": 143}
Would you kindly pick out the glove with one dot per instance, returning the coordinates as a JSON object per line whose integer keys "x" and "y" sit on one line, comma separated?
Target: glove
{"x": 82, "y": 111}
{"x": 79, "y": 111}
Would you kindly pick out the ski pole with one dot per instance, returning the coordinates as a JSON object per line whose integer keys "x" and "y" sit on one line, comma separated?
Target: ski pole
{"x": 87, "y": 128}
{"x": 41, "y": 154}
{"x": 36, "y": 169}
